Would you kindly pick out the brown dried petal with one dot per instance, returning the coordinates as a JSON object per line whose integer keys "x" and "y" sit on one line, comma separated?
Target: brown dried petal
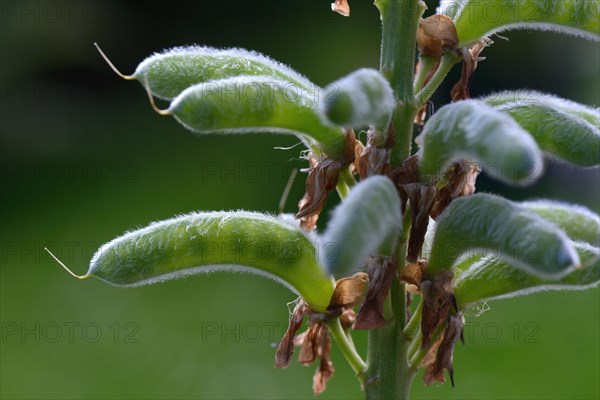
{"x": 435, "y": 34}
{"x": 373, "y": 161}
{"x": 310, "y": 345}
{"x": 382, "y": 272}
{"x": 452, "y": 334}
{"x": 438, "y": 297}
{"x": 413, "y": 273}
{"x": 341, "y": 7}
{"x": 421, "y": 202}
{"x": 286, "y": 346}
{"x": 325, "y": 371}
{"x": 348, "y": 291}
{"x": 359, "y": 148}
{"x": 431, "y": 355}
{"x": 406, "y": 174}
{"x": 322, "y": 179}
{"x": 460, "y": 181}
{"x": 471, "y": 57}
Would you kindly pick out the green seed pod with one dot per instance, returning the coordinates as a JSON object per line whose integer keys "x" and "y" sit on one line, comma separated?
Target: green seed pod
{"x": 253, "y": 105}
{"x": 590, "y": 114}
{"x": 578, "y": 222}
{"x": 476, "y": 19}
{"x": 473, "y": 130}
{"x": 368, "y": 220}
{"x": 362, "y": 98}
{"x": 206, "y": 242}
{"x": 492, "y": 225}
{"x": 561, "y": 128}
{"x": 170, "y": 72}
{"x": 492, "y": 278}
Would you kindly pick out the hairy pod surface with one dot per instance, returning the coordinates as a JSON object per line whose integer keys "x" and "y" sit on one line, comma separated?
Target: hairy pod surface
{"x": 486, "y": 224}
{"x": 562, "y": 128}
{"x": 170, "y": 72}
{"x": 578, "y": 222}
{"x": 475, "y": 19}
{"x": 473, "y": 130}
{"x": 253, "y": 105}
{"x": 362, "y": 98}
{"x": 215, "y": 241}
{"x": 368, "y": 220}
{"x": 590, "y": 114}
{"x": 492, "y": 278}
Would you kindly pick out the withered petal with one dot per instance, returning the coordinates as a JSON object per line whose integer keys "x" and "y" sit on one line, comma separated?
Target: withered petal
{"x": 373, "y": 160}
{"x": 322, "y": 179}
{"x": 438, "y": 295}
{"x": 310, "y": 346}
{"x": 413, "y": 273}
{"x": 405, "y": 177}
{"x": 435, "y": 34}
{"x": 458, "y": 180}
{"x": 348, "y": 291}
{"x": 323, "y": 374}
{"x": 285, "y": 349}
{"x": 471, "y": 56}
{"x": 421, "y": 199}
{"x": 452, "y": 333}
{"x": 382, "y": 272}
{"x": 325, "y": 371}
{"x": 341, "y": 7}
{"x": 431, "y": 354}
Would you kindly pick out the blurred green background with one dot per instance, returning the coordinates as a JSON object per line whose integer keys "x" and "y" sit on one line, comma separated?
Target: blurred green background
{"x": 84, "y": 158}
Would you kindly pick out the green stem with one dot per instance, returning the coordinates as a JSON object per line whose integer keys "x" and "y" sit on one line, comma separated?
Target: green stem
{"x": 347, "y": 177}
{"x": 400, "y": 19}
{"x": 342, "y": 189}
{"x": 448, "y": 61}
{"x": 348, "y": 350}
{"x": 413, "y": 325}
{"x": 426, "y": 64}
{"x": 388, "y": 373}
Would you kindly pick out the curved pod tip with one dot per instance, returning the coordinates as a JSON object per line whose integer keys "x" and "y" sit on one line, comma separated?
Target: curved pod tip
{"x": 112, "y": 66}
{"x": 88, "y": 275}
{"x": 151, "y": 99}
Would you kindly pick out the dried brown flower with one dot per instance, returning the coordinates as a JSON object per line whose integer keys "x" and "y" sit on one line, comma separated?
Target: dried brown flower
{"x": 436, "y": 34}
{"x": 445, "y": 351}
{"x": 421, "y": 199}
{"x": 459, "y": 180}
{"x": 438, "y": 297}
{"x": 471, "y": 56}
{"x": 382, "y": 272}
{"x": 348, "y": 291}
{"x": 322, "y": 179}
{"x": 286, "y": 346}
{"x": 341, "y": 7}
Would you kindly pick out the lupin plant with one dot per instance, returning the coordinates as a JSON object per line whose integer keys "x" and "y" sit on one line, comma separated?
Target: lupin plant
{"x": 409, "y": 227}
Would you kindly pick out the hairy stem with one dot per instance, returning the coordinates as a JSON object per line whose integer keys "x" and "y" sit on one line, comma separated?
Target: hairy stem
{"x": 388, "y": 373}
{"x": 400, "y": 19}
